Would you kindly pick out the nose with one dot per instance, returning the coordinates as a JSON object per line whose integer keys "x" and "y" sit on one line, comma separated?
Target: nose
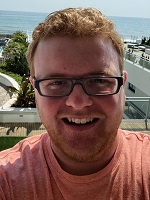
{"x": 78, "y": 99}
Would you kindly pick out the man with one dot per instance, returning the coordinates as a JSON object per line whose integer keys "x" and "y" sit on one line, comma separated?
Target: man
{"x": 76, "y": 64}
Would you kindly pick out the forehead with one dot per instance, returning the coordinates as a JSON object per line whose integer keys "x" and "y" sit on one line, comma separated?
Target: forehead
{"x": 64, "y": 56}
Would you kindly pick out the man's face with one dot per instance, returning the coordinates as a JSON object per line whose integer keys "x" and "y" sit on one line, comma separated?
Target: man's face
{"x": 80, "y": 126}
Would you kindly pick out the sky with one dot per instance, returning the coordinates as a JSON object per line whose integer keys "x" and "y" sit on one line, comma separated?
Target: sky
{"x": 126, "y": 8}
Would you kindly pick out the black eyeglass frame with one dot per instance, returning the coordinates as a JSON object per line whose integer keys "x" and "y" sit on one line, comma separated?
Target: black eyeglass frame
{"x": 78, "y": 81}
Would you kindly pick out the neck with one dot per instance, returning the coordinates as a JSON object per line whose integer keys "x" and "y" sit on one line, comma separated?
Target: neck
{"x": 83, "y": 168}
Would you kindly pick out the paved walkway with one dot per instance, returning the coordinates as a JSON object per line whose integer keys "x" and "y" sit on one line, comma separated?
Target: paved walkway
{"x": 4, "y": 94}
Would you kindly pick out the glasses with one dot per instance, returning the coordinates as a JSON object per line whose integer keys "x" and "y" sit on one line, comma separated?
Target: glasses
{"x": 93, "y": 86}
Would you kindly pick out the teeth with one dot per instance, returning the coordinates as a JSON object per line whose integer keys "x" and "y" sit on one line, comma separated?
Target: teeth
{"x": 80, "y": 121}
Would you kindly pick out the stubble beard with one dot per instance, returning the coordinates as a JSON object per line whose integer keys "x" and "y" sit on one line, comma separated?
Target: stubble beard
{"x": 99, "y": 150}
{"x": 107, "y": 136}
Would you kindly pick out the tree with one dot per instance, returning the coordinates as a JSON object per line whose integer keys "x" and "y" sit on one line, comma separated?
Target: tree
{"x": 148, "y": 42}
{"x": 143, "y": 40}
{"x": 15, "y": 54}
{"x": 20, "y": 38}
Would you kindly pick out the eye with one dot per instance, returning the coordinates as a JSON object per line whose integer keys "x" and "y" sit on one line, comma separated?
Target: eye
{"x": 98, "y": 80}
{"x": 104, "y": 81}
{"x": 47, "y": 83}
{"x": 54, "y": 84}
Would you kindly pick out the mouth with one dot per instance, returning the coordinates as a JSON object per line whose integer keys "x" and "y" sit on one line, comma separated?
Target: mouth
{"x": 80, "y": 122}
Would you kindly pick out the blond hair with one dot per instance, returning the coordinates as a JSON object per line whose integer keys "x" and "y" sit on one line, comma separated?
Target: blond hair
{"x": 75, "y": 22}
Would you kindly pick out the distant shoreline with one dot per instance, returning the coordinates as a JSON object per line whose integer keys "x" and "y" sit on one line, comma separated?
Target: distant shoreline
{"x": 2, "y": 35}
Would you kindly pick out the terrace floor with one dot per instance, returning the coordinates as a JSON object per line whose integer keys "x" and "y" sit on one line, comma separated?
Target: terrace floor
{"x": 30, "y": 129}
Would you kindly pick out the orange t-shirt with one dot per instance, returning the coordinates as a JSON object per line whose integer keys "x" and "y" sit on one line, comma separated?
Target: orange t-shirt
{"x": 29, "y": 171}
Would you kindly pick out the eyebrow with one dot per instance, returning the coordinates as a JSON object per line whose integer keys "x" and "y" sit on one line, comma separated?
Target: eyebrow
{"x": 61, "y": 75}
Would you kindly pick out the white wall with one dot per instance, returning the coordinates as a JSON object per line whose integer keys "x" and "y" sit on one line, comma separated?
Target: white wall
{"x": 138, "y": 76}
{"x": 8, "y": 81}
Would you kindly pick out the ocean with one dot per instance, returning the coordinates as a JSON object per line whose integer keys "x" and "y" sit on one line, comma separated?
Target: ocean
{"x": 128, "y": 27}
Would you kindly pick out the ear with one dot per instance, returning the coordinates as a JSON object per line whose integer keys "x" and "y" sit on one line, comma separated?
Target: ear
{"x": 31, "y": 80}
{"x": 125, "y": 75}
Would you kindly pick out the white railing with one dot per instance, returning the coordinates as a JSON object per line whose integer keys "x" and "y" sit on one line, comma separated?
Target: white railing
{"x": 135, "y": 59}
{"x": 130, "y": 38}
{"x": 137, "y": 108}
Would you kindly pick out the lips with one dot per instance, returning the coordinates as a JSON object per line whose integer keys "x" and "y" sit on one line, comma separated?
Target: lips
{"x": 79, "y": 124}
{"x": 80, "y": 121}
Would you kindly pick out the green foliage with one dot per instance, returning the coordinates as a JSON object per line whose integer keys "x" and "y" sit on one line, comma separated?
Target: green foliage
{"x": 15, "y": 54}
{"x": 145, "y": 41}
{"x": 8, "y": 142}
{"x": 148, "y": 42}
{"x": 20, "y": 38}
{"x": 25, "y": 95}
{"x": 16, "y": 77}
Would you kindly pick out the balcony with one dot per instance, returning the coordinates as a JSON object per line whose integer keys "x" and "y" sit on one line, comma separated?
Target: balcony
{"x": 25, "y": 122}
{"x": 136, "y": 118}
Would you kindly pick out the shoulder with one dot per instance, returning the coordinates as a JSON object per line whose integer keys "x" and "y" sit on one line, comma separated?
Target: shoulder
{"x": 137, "y": 136}
{"x": 136, "y": 155}
{"x": 24, "y": 165}
{"x": 135, "y": 144}
{"x": 28, "y": 146}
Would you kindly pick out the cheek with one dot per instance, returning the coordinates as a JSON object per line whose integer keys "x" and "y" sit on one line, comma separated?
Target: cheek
{"x": 47, "y": 107}
{"x": 112, "y": 105}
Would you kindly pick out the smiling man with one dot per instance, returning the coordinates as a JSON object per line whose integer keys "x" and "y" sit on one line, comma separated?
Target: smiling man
{"x": 76, "y": 64}
{"x": 77, "y": 76}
